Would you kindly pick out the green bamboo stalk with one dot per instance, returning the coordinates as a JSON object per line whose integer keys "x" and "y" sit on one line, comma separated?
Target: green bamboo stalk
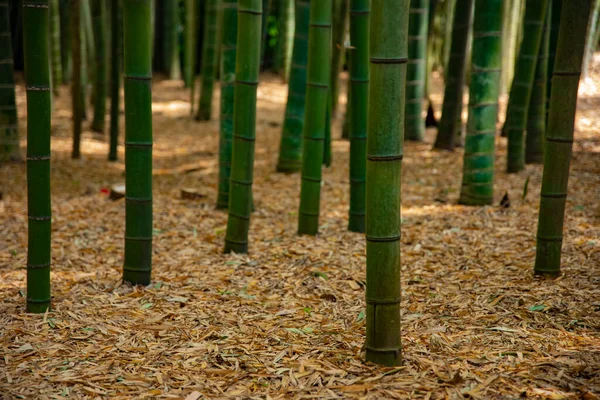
{"x": 559, "y": 135}
{"x": 9, "y": 127}
{"x": 88, "y": 36}
{"x": 520, "y": 91}
{"x": 100, "y": 84}
{"x": 484, "y": 91}
{"x": 340, "y": 17}
{"x": 37, "y": 81}
{"x": 267, "y": 6}
{"x": 387, "y": 87}
{"x": 228, "y": 57}
{"x": 290, "y": 150}
{"x": 171, "y": 39}
{"x": 209, "y": 61}
{"x": 287, "y": 35}
{"x": 510, "y": 33}
{"x": 190, "y": 42}
{"x": 536, "y": 117}
{"x": 77, "y": 100}
{"x": 556, "y": 13}
{"x": 137, "y": 72}
{"x": 359, "y": 84}
{"x": 84, "y": 64}
{"x": 55, "y": 53}
{"x": 316, "y": 106}
{"x": 247, "y": 68}
{"x": 449, "y": 130}
{"x": 65, "y": 40}
{"x": 115, "y": 76}
{"x": 417, "y": 64}
{"x": 327, "y": 143}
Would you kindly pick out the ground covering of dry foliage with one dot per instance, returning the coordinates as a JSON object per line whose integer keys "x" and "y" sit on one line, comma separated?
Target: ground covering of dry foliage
{"x": 287, "y": 320}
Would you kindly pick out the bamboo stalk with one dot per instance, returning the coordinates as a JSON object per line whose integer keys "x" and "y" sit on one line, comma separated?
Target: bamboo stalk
{"x": 99, "y": 25}
{"x": 556, "y": 12}
{"x": 228, "y": 58}
{"x": 417, "y": 64}
{"x": 9, "y": 127}
{"x": 37, "y": 81}
{"x": 290, "y": 149}
{"x": 77, "y": 99}
{"x": 520, "y": 91}
{"x": 137, "y": 72}
{"x": 190, "y": 42}
{"x": 171, "y": 39}
{"x": 209, "y": 61}
{"x": 559, "y": 135}
{"x": 449, "y": 131}
{"x": 359, "y": 84}
{"x": 115, "y": 77}
{"x": 65, "y": 39}
{"x": 388, "y": 55}
{"x": 340, "y": 18}
{"x": 244, "y": 124}
{"x": 486, "y": 60}
{"x": 536, "y": 117}
{"x": 55, "y": 51}
{"x": 316, "y": 106}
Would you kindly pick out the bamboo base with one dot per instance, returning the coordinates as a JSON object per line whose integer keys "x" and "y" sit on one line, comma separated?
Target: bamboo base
{"x": 356, "y": 223}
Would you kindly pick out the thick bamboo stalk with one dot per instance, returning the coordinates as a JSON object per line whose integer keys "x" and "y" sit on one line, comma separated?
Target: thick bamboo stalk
{"x": 228, "y": 58}
{"x": 559, "y": 135}
{"x": 9, "y": 127}
{"x": 316, "y": 105}
{"x": 37, "y": 81}
{"x": 55, "y": 54}
{"x": 510, "y": 32}
{"x": 77, "y": 99}
{"x": 340, "y": 18}
{"x": 190, "y": 43}
{"x": 486, "y": 60}
{"x": 65, "y": 40}
{"x": 244, "y": 124}
{"x": 209, "y": 61}
{"x": 449, "y": 130}
{"x": 359, "y": 84}
{"x": 115, "y": 76}
{"x": 417, "y": 64}
{"x": 389, "y": 55}
{"x": 100, "y": 84}
{"x": 520, "y": 91}
{"x": 137, "y": 72}
{"x": 290, "y": 150}
{"x": 556, "y": 12}
{"x": 536, "y": 117}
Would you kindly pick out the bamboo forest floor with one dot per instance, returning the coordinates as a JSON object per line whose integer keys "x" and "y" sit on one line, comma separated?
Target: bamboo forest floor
{"x": 287, "y": 320}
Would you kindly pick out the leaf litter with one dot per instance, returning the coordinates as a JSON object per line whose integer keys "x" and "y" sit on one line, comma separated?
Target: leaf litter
{"x": 288, "y": 320}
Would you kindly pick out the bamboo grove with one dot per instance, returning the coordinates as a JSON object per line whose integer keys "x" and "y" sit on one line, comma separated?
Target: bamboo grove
{"x": 377, "y": 54}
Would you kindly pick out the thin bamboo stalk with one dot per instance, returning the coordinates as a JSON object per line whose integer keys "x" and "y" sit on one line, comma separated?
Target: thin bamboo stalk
{"x": 486, "y": 60}
{"x": 389, "y": 55}
{"x": 228, "y": 59}
{"x": 359, "y": 84}
{"x": 244, "y": 124}
{"x": 65, "y": 39}
{"x": 55, "y": 51}
{"x": 137, "y": 72}
{"x": 536, "y": 118}
{"x": 449, "y": 131}
{"x": 37, "y": 81}
{"x": 9, "y": 127}
{"x": 100, "y": 84}
{"x": 77, "y": 99}
{"x": 209, "y": 61}
{"x": 290, "y": 149}
{"x": 115, "y": 77}
{"x": 559, "y": 135}
{"x": 520, "y": 91}
{"x": 316, "y": 106}
{"x": 340, "y": 18}
{"x": 190, "y": 42}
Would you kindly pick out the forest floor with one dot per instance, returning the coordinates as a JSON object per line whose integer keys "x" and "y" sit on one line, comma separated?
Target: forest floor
{"x": 287, "y": 320}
